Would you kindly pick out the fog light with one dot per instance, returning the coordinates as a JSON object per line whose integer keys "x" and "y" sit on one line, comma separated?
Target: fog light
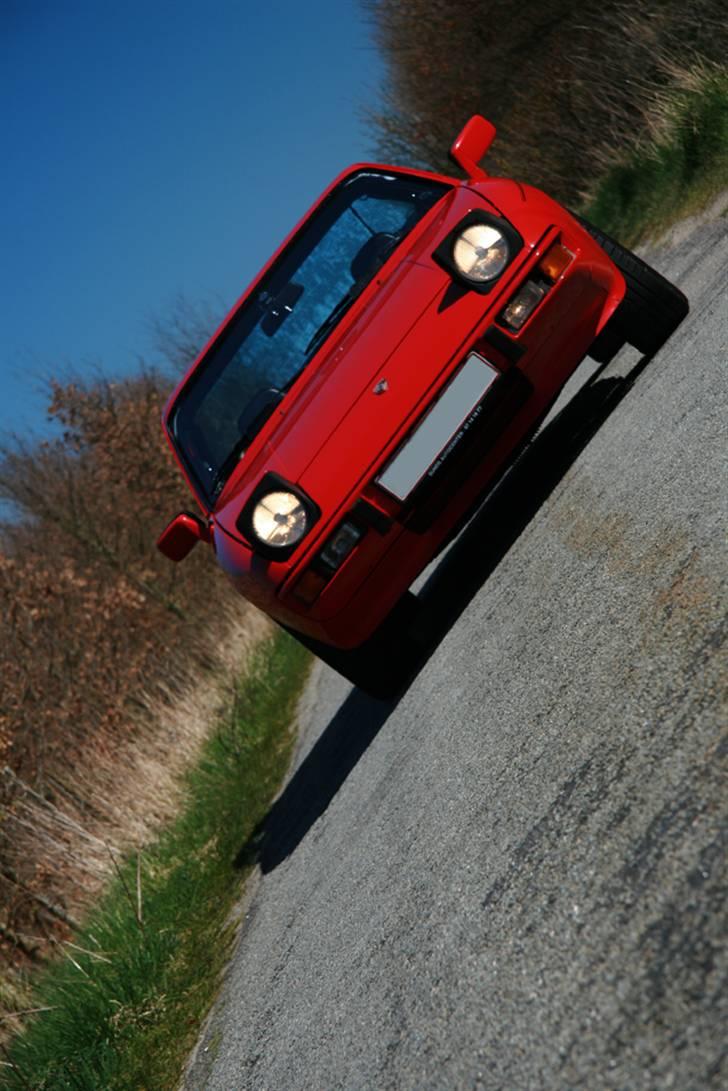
{"x": 340, "y": 545}
{"x": 523, "y": 304}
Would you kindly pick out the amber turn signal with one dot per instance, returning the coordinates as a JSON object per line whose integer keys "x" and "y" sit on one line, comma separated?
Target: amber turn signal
{"x": 554, "y": 261}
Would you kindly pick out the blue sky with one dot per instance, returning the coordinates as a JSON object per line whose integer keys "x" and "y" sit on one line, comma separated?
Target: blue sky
{"x": 151, "y": 149}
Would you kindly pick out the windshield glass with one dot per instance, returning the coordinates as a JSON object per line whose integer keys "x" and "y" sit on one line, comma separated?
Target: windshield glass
{"x": 288, "y": 317}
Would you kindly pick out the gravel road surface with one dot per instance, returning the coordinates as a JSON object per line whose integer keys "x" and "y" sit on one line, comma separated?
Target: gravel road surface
{"x": 514, "y": 877}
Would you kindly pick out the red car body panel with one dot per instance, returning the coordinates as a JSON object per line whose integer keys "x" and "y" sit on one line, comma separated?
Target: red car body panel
{"x": 375, "y": 377}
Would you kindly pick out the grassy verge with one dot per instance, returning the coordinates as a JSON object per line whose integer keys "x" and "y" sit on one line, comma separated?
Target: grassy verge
{"x": 682, "y": 171}
{"x": 125, "y": 1005}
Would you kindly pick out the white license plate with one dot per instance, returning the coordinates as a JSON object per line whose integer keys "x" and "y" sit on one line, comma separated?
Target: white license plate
{"x": 442, "y": 428}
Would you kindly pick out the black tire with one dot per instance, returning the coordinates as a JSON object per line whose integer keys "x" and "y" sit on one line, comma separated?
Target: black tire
{"x": 651, "y": 310}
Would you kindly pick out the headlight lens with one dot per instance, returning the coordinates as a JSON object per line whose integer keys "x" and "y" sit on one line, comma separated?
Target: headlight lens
{"x": 480, "y": 252}
{"x": 279, "y": 519}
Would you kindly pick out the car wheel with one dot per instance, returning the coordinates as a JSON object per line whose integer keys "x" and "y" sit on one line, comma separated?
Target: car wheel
{"x": 651, "y": 309}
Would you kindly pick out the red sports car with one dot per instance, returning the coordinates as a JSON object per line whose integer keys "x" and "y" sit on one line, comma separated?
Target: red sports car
{"x": 381, "y": 373}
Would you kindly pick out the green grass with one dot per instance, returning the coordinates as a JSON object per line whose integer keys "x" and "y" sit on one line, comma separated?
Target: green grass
{"x": 678, "y": 175}
{"x": 126, "y": 1014}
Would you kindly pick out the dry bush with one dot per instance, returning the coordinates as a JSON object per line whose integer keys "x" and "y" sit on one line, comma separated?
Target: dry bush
{"x": 570, "y": 87}
{"x": 184, "y": 327}
{"x": 112, "y": 658}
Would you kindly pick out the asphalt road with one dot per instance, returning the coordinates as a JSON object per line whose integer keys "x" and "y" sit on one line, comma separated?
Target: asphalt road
{"x": 514, "y": 878}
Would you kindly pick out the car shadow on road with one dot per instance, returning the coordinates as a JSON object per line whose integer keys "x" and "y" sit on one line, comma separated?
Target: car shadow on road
{"x": 459, "y": 576}
{"x": 316, "y": 781}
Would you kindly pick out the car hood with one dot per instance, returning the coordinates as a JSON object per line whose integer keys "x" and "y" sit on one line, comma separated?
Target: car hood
{"x": 340, "y": 421}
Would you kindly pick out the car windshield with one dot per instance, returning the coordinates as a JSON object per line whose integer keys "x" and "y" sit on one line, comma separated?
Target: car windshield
{"x": 289, "y": 315}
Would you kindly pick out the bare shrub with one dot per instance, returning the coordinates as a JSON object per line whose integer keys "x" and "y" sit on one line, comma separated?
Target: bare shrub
{"x": 571, "y": 87}
{"x": 183, "y": 329}
{"x": 112, "y": 659}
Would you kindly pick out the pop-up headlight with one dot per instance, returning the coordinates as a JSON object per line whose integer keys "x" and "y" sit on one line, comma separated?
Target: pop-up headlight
{"x": 478, "y": 249}
{"x": 279, "y": 519}
{"x": 480, "y": 252}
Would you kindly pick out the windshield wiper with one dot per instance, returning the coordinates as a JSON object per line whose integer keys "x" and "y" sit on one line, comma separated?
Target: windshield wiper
{"x": 385, "y": 244}
{"x": 228, "y": 466}
{"x": 331, "y": 319}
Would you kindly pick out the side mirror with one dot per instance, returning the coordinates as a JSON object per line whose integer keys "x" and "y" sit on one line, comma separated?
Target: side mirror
{"x": 472, "y": 144}
{"x": 181, "y": 536}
